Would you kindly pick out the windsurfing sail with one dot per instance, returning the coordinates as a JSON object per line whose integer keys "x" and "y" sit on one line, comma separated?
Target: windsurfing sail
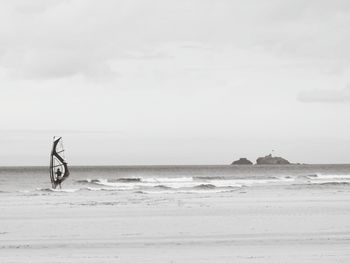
{"x": 58, "y": 166}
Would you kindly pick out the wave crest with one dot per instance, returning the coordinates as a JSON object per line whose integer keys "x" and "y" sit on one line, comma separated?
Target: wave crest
{"x": 205, "y": 186}
{"x": 57, "y": 190}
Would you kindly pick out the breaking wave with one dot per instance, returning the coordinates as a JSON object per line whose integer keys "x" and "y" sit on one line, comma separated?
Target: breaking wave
{"x": 162, "y": 187}
{"x": 327, "y": 179}
{"x": 126, "y": 180}
{"x": 177, "y": 184}
{"x": 333, "y": 176}
{"x": 57, "y": 190}
{"x": 205, "y": 186}
{"x": 193, "y": 191}
{"x": 208, "y": 178}
{"x": 199, "y": 184}
{"x": 334, "y": 183}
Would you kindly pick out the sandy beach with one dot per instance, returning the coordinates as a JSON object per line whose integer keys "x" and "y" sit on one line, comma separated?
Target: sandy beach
{"x": 256, "y": 224}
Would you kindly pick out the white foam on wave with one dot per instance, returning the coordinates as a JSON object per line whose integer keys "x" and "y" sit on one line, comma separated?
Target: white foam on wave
{"x": 329, "y": 182}
{"x": 331, "y": 176}
{"x": 57, "y": 190}
{"x": 249, "y": 182}
{"x": 176, "y": 185}
{"x": 167, "y": 179}
{"x": 146, "y": 183}
{"x": 116, "y": 185}
{"x": 324, "y": 179}
{"x": 99, "y": 189}
{"x": 194, "y": 191}
{"x": 329, "y": 179}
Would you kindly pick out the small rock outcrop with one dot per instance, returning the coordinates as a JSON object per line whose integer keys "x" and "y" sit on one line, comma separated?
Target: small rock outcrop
{"x": 242, "y": 161}
{"x": 269, "y": 159}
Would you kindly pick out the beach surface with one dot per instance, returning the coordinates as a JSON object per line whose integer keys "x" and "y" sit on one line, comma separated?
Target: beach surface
{"x": 262, "y": 222}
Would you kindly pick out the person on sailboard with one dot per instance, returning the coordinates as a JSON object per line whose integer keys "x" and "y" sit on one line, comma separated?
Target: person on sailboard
{"x": 58, "y": 177}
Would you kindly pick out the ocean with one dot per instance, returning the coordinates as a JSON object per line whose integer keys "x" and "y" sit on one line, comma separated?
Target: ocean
{"x": 173, "y": 179}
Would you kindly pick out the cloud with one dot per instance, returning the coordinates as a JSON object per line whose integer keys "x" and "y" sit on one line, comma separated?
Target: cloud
{"x": 47, "y": 39}
{"x": 56, "y": 63}
{"x": 326, "y": 95}
{"x": 35, "y": 6}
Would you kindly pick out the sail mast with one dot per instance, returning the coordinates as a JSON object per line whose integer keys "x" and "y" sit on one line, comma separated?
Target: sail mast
{"x": 52, "y": 177}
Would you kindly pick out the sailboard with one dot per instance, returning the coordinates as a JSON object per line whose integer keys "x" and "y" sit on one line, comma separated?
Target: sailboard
{"x": 58, "y": 166}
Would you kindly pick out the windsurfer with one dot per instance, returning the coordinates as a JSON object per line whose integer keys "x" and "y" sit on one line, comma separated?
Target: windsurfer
{"x": 58, "y": 177}
{"x": 57, "y": 164}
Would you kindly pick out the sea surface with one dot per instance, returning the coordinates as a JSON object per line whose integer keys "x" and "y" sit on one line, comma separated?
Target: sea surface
{"x": 173, "y": 179}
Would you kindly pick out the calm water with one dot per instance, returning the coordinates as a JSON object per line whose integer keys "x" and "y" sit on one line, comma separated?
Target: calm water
{"x": 173, "y": 179}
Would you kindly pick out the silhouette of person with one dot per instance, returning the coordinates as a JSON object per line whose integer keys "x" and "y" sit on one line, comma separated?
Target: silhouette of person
{"x": 58, "y": 177}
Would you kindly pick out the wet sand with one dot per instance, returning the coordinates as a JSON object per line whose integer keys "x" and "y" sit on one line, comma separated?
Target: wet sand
{"x": 257, "y": 224}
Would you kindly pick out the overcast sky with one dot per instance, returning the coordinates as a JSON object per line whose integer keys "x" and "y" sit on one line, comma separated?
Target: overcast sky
{"x": 174, "y": 82}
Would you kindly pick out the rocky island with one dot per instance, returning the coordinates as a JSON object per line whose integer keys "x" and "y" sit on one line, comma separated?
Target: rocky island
{"x": 242, "y": 161}
{"x": 269, "y": 159}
